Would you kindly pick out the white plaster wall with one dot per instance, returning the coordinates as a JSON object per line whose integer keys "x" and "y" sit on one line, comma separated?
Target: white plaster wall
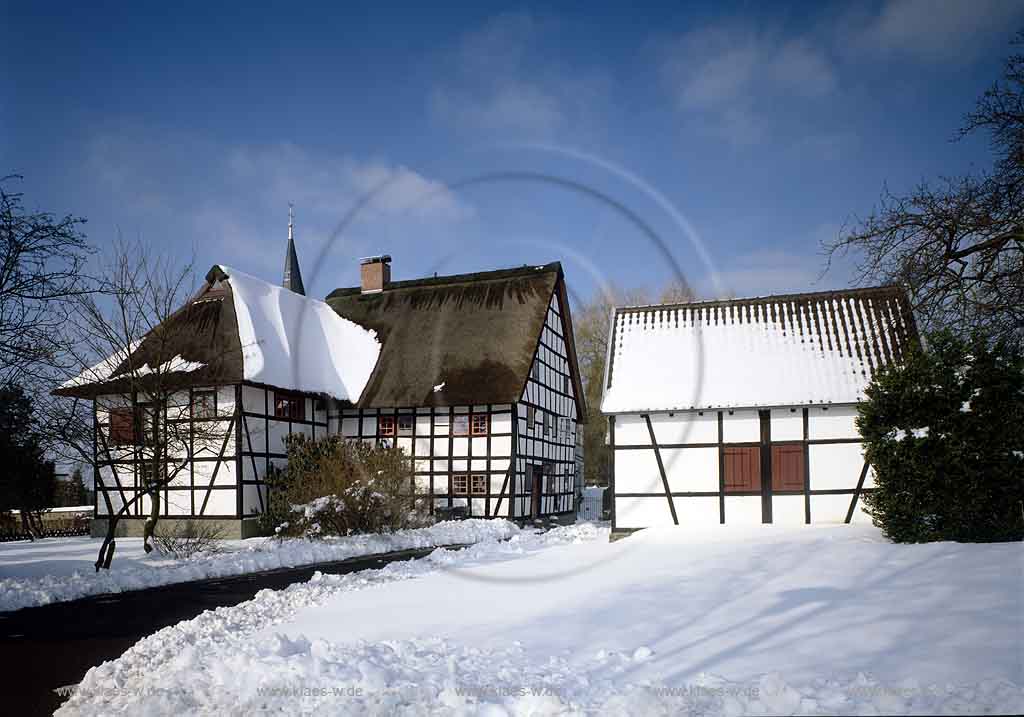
{"x": 689, "y": 469}
{"x": 829, "y": 508}
{"x": 641, "y": 512}
{"x": 788, "y": 510}
{"x": 631, "y": 430}
{"x": 742, "y": 509}
{"x": 636, "y": 471}
{"x": 697, "y": 511}
{"x": 832, "y": 422}
{"x": 684, "y": 427}
{"x": 787, "y": 424}
{"x": 741, "y": 427}
{"x": 835, "y": 466}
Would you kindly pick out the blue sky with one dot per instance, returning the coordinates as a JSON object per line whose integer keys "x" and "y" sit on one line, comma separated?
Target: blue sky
{"x": 752, "y": 130}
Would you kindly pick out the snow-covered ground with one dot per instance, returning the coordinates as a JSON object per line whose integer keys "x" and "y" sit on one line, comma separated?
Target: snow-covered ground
{"x": 751, "y": 620}
{"x": 58, "y": 569}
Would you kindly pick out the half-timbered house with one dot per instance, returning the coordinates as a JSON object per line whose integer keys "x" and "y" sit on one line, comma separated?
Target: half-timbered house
{"x": 474, "y": 376}
{"x": 743, "y": 411}
{"x": 477, "y": 381}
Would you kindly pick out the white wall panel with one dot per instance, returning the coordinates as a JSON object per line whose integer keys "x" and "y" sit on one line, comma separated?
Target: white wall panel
{"x": 501, "y": 423}
{"x": 179, "y": 502}
{"x": 631, "y": 430}
{"x": 787, "y": 425}
{"x": 222, "y": 502}
{"x": 742, "y": 509}
{"x": 697, "y": 511}
{"x": 741, "y": 427}
{"x": 788, "y": 509}
{"x": 636, "y": 471}
{"x": 690, "y": 470}
{"x": 829, "y": 508}
{"x": 641, "y": 512}
{"x": 835, "y": 466}
{"x": 684, "y": 427}
{"x": 501, "y": 446}
{"x": 832, "y": 422}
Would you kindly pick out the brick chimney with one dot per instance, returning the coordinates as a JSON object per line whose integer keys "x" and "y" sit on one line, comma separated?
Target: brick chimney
{"x": 374, "y": 273}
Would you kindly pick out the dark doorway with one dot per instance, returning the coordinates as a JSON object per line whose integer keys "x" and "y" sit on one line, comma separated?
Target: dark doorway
{"x": 536, "y": 483}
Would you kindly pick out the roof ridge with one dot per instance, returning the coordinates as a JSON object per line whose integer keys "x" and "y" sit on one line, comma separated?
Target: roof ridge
{"x": 850, "y": 292}
{"x": 492, "y": 275}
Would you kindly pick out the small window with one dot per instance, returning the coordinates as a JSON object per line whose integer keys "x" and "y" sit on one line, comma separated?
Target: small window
{"x": 460, "y": 485}
{"x": 546, "y": 418}
{"x": 289, "y": 406}
{"x": 405, "y": 424}
{"x": 460, "y": 425}
{"x": 566, "y": 385}
{"x": 480, "y": 424}
{"x": 122, "y": 426}
{"x": 531, "y": 417}
{"x": 440, "y": 419}
{"x": 204, "y": 404}
{"x": 479, "y": 485}
{"x": 386, "y": 426}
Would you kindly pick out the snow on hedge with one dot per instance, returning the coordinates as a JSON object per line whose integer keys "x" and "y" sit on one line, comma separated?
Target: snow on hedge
{"x": 808, "y": 620}
{"x": 22, "y": 585}
{"x": 292, "y": 341}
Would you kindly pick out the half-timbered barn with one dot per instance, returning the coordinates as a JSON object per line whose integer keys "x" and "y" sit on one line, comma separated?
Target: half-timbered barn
{"x": 474, "y": 376}
{"x": 743, "y": 411}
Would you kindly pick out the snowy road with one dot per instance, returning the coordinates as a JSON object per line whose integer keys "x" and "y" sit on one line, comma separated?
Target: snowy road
{"x": 829, "y": 619}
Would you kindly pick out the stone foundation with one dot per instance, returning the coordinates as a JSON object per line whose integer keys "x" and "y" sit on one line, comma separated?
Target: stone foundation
{"x": 231, "y": 528}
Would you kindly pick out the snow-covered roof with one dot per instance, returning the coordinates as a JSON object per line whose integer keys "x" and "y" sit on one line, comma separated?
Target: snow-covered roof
{"x": 295, "y": 342}
{"x": 240, "y": 328}
{"x": 788, "y": 350}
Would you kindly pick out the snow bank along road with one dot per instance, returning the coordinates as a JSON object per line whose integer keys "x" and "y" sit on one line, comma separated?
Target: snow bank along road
{"x": 758, "y": 620}
{"x": 58, "y": 569}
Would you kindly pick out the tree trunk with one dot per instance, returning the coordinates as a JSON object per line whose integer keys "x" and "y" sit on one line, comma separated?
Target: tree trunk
{"x": 154, "y": 515}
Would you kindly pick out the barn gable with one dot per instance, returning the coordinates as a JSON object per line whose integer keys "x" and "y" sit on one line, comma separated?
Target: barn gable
{"x": 797, "y": 349}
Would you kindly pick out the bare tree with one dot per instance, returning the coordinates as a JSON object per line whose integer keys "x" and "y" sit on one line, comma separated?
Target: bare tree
{"x": 591, "y": 325}
{"x": 138, "y": 324}
{"x": 957, "y": 246}
{"x": 41, "y": 262}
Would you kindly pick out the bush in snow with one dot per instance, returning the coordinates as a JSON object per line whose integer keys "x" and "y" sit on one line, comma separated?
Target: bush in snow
{"x": 188, "y": 538}
{"x": 334, "y": 486}
{"x": 944, "y": 432}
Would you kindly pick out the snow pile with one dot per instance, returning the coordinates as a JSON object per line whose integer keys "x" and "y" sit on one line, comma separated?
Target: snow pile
{"x": 248, "y": 556}
{"x": 730, "y": 622}
{"x": 295, "y": 342}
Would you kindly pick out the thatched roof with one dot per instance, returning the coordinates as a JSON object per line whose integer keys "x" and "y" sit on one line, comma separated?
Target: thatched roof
{"x": 473, "y": 334}
{"x": 197, "y": 345}
{"x": 240, "y": 328}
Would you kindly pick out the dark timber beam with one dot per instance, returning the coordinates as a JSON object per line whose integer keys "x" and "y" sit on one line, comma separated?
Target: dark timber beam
{"x": 856, "y": 493}
{"x": 661, "y": 469}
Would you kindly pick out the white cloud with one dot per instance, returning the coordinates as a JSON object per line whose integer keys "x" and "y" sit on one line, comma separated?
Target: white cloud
{"x": 731, "y": 78}
{"x": 937, "y": 30}
{"x": 500, "y": 79}
{"x": 230, "y": 203}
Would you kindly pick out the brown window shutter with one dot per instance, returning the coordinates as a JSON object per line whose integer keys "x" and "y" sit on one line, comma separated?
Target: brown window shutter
{"x": 788, "y": 467}
{"x": 122, "y": 426}
{"x": 742, "y": 469}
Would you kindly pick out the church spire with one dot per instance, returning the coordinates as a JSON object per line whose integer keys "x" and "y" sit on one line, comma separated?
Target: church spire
{"x": 292, "y": 275}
